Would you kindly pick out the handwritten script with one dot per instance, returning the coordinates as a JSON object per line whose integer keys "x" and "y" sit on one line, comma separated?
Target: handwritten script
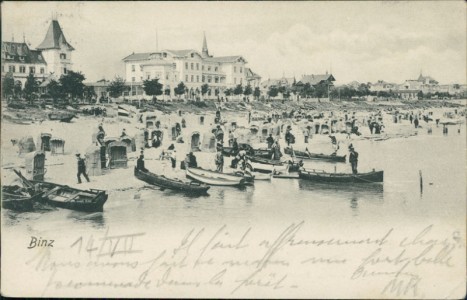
{"x": 240, "y": 261}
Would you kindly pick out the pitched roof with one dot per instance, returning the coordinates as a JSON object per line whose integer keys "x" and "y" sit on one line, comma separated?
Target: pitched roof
{"x": 249, "y": 73}
{"x": 223, "y": 59}
{"x": 182, "y": 52}
{"x": 315, "y": 79}
{"x": 15, "y": 51}
{"x": 54, "y": 38}
{"x": 138, "y": 56}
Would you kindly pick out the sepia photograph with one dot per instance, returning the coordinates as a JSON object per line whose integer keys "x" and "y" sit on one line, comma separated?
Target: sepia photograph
{"x": 250, "y": 149}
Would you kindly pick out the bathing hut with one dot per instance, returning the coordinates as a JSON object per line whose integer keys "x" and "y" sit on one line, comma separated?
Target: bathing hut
{"x": 44, "y": 141}
{"x": 26, "y": 145}
{"x": 151, "y": 121}
{"x": 128, "y": 143}
{"x": 117, "y": 152}
{"x": 57, "y": 146}
{"x": 93, "y": 160}
{"x": 209, "y": 142}
{"x": 156, "y": 137}
{"x": 195, "y": 141}
{"x": 35, "y": 165}
{"x": 265, "y": 130}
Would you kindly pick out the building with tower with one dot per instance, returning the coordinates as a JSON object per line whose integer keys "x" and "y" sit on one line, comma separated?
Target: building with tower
{"x": 51, "y": 58}
{"x": 189, "y": 66}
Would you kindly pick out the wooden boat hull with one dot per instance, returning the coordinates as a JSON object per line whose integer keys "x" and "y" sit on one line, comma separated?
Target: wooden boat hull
{"x": 17, "y": 201}
{"x": 272, "y": 162}
{"x": 172, "y": 184}
{"x": 370, "y": 177}
{"x": 214, "y": 178}
{"x": 266, "y": 168}
{"x": 316, "y": 156}
{"x": 70, "y": 198}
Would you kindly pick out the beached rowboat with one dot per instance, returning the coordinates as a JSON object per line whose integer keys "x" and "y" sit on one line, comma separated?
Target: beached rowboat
{"x": 321, "y": 176}
{"x": 169, "y": 183}
{"x": 214, "y": 178}
{"x": 16, "y": 198}
{"x": 315, "y": 156}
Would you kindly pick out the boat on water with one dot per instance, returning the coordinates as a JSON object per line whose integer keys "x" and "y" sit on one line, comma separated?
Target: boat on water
{"x": 315, "y": 156}
{"x": 63, "y": 196}
{"x": 322, "y": 176}
{"x": 214, "y": 178}
{"x": 17, "y": 198}
{"x": 172, "y": 184}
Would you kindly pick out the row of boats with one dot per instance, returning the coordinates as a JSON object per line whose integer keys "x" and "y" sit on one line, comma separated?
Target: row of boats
{"x": 24, "y": 198}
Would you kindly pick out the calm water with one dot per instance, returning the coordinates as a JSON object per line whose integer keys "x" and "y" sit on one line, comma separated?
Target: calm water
{"x": 440, "y": 158}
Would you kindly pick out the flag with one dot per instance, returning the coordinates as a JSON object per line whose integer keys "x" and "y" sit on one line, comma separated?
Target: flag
{"x": 123, "y": 112}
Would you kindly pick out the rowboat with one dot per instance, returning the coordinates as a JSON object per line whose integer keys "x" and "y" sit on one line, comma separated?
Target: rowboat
{"x": 264, "y": 153}
{"x": 169, "y": 183}
{"x": 16, "y": 198}
{"x": 63, "y": 196}
{"x": 321, "y": 176}
{"x": 266, "y": 161}
{"x": 214, "y": 178}
{"x": 267, "y": 168}
{"x": 315, "y": 156}
{"x": 286, "y": 176}
{"x": 61, "y": 117}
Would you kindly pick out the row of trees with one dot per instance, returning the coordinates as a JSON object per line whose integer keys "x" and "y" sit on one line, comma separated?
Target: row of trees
{"x": 69, "y": 86}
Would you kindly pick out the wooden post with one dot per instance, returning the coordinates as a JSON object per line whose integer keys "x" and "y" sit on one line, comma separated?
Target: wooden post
{"x": 421, "y": 180}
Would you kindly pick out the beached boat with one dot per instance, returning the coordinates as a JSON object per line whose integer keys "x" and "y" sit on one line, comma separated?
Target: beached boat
{"x": 315, "y": 156}
{"x": 61, "y": 117}
{"x": 266, "y": 161}
{"x": 172, "y": 184}
{"x": 214, "y": 178}
{"x": 63, "y": 196}
{"x": 264, "y": 153}
{"x": 322, "y": 176}
{"x": 16, "y": 198}
{"x": 267, "y": 168}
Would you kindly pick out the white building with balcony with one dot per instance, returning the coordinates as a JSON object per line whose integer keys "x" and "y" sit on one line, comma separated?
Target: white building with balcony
{"x": 191, "y": 67}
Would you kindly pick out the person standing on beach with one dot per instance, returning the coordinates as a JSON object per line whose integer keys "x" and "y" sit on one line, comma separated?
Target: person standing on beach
{"x": 81, "y": 168}
{"x": 219, "y": 161}
{"x": 415, "y": 122}
{"x": 173, "y": 158}
{"x": 270, "y": 141}
{"x": 353, "y": 159}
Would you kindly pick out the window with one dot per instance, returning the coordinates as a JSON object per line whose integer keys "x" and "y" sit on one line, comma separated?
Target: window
{"x": 216, "y": 79}
{"x": 186, "y": 65}
{"x": 192, "y": 55}
{"x": 235, "y": 69}
{"x": 209, "y": 79}
{"x": 32, "y": 70}
{"x": 148, "y": 77}
{"x": 186, "y": 78}
{"x": 209, "y": 68}
{"x": 192, "y": 80}
{"x": 202, "y": 68}
{"x": 235, "y": 80}
{"x": 202, "y": 78}
{"x": 132, "y": 68}
{"x": 64, "y": 70}
{"x": 132, "y": 79}
{"x": 42, "y": 70}
{"x": 62, "y": 56}
{"x": 22, "y": 69}
{"x": 241, "y": 69}
{"x": 166, "y": 76}
{"x": 241, "y": 80}
{"x": 133, "y": 93}
{"x": 197, "y": 66}
{"x": 216, "y": 69}
{"x": 12, "y": 69}
{"x": 192, "y": 66}
{"x": 21, "y": 58}
{"x": 197, "y": 78}
{"x": 164, "y": 54}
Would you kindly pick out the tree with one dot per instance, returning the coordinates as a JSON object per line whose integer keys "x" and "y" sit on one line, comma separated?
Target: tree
{"x": 152, "y": 87}
{"x": 248, "y": 90}
{"x": 420, "y": 95}
{"x": 116, "y": 87}
{"x": 180, "y": 89}
{"x": 273, "y": 91}
{"x": 18, "y": 88}
{"x": 257, "y": 93}
{"x": 228, "y": 92}
{"x": 30, "y": 87}
{"x": 72, "y": 84}
{"x": 8, "y": 85}
{"x": 89, "y": 93}
{"x": 204, "y": 89}
{"x": 238, "y": 90}
{"x": 54, "y": 89}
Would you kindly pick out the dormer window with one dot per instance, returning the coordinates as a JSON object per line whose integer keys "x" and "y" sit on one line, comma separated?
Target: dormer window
{"x": 62, "y": 56}
{"x": 21, "y": 58}
{"x": 192, "y": 55}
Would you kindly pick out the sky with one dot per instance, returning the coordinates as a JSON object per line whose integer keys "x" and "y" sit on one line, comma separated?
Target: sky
{"x": 356, "y": 41}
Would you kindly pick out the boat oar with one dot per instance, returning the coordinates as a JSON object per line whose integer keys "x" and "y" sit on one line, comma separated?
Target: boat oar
{"x": 23, "y": 179}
